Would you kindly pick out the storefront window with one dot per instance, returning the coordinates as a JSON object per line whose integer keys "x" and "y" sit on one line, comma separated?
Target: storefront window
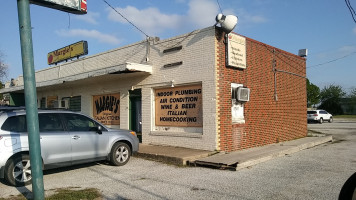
{"x": 75, "y": 103}
{"x": 179, "y": 106}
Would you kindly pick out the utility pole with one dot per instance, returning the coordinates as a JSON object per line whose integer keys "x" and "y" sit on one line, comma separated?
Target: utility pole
{"x": 23, "y": 7}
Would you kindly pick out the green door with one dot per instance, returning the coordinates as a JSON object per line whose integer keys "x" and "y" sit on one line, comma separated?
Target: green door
{"x": 136, "y": 112}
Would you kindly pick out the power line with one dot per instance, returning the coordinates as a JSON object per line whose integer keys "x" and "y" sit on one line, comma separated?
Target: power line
{"x": 217, "y": 1}
{"x": 68, "y": 21}
{"x": 287, "y": 57}
{"x": 332, "y": 60}
{"x": 331, "y": 49}
{"x": 352, "y": 11}
{"x": 126, "y": 19}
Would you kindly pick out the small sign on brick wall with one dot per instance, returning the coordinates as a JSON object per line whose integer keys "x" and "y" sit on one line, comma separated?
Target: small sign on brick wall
{"x": 236, "y": 51}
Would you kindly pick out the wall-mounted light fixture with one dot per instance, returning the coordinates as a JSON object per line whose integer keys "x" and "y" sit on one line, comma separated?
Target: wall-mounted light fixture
{"x": 227, "y": 22}
{"x": 172, "y": 83}
{"x": 161, "y": 84}
{"x": 173, "y": 64}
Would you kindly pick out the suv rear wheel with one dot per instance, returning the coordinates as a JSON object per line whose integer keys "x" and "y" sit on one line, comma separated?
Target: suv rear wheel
{"x": 18, "y": 170}
{"x": 321, "y": 120}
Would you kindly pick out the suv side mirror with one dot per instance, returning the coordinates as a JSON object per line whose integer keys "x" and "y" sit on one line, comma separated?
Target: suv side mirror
{"x": 99, "y": 130}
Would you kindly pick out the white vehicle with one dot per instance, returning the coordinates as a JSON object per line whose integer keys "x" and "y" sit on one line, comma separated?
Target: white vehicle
{"x": 319, "y": 116}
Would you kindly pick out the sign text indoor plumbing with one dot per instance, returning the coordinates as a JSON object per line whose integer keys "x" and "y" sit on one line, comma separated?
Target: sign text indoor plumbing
{"x": 179, "y": 106}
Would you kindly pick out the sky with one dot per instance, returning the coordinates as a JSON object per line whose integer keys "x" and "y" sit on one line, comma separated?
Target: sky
{"x": 325, "y": 28}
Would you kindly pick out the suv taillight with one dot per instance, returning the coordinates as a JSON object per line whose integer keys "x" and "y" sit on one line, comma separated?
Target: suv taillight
{"x": 315, "y": 115}
{"x": 1, "y": 137}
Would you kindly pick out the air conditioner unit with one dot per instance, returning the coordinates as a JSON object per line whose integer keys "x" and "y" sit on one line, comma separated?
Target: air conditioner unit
{"x": 243, "y": 94}
{"x": 61, "y": 104}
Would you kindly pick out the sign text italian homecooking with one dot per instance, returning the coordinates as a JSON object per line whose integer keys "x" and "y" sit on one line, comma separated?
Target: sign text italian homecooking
{"x": 179, "y": 106}
{"x": 106, "y": 109}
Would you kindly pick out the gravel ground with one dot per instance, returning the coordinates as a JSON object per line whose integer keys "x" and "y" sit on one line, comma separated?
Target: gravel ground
{"x": 316, "y": 173}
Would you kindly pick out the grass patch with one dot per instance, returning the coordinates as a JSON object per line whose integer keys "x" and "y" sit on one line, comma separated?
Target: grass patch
{"x": 19, "y": 197}
{"x": 338, "y": 141}
{"x": 67, "y": 194}
{"x": 314, "y": 133}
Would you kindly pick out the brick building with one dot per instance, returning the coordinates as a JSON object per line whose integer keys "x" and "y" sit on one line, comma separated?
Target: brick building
{"x": 184, "y": 91}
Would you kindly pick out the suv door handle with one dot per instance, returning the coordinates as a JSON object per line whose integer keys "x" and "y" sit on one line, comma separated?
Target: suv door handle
{"x": 76, "y": 137}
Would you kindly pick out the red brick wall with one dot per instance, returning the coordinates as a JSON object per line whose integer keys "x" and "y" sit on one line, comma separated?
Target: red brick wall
{"x": 266, "y": 120}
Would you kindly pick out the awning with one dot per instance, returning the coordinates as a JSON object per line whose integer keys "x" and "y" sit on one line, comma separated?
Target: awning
{"x": 118, "y": 69}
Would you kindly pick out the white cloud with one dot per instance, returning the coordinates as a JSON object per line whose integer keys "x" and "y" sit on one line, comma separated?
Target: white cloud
{"x": 90, "y": 17}
{"x": 248, "y": 18}
{"x": 258, "y": 19}
{"x": 347, "y": 49}
{"x": 152, "y": 21}
{"x": 202, "y": 12}
{"x": 229, "y": 12}
{"x": 101, "y": 37}
{"x": 149, "y": 20}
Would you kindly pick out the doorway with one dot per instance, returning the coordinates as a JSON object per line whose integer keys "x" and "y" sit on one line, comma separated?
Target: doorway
{"x": 135, "y": 112}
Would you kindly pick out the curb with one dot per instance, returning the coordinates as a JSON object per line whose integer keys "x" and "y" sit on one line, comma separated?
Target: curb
{"x": 292, "y": 149}
{"x": 173, "y": 160}
{"x": 162, "y": 158}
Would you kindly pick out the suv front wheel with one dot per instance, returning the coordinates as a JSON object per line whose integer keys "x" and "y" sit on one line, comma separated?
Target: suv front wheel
{"x": 18, "y": 170}
{"x": 120, "y": 154}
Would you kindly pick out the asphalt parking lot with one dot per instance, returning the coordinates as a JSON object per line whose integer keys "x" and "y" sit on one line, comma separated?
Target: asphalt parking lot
{"x": 315, "y": 173}
{"x": 340, "y": 129}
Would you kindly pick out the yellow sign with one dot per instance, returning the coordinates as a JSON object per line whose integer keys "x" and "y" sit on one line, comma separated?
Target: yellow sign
{"x": 71, "y": 51}
{"x": 179, "y": 106}
{"x": 106, "y": 109}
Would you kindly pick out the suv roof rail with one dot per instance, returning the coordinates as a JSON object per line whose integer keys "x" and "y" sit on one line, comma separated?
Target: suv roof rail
{"x": 11, "y": 108}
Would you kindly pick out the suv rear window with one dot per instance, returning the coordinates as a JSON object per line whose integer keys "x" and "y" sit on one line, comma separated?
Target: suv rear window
{"x": 15, "y": 124}
{"x": 311, "y": 112}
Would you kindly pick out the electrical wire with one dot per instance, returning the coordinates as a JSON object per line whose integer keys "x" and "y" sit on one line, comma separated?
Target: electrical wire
{"x": 68, "y": 21}
{"x": 281, "y": 53}
{"x": 217, "y": 1}
{"x": 352, "y": 11}
{"x": 332, "y": 60}
{"x": 126, "y": 19}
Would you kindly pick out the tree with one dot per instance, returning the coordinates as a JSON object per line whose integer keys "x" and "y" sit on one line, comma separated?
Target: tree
{"x": 351, "y": 101}
{"x": 3, "y": 67}
{"x": 313, "y": 94}
{"x": 353, "y": 93}
{"x": 3, "y": 72}
{"x": 330, "y": 97}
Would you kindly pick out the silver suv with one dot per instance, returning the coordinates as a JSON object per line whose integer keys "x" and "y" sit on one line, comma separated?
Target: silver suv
{"x": 67, "y": 138}
{"x": 319, "y": 116}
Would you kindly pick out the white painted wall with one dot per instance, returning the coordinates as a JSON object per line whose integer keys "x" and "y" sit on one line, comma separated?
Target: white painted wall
{"x": 198, "y": 57}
